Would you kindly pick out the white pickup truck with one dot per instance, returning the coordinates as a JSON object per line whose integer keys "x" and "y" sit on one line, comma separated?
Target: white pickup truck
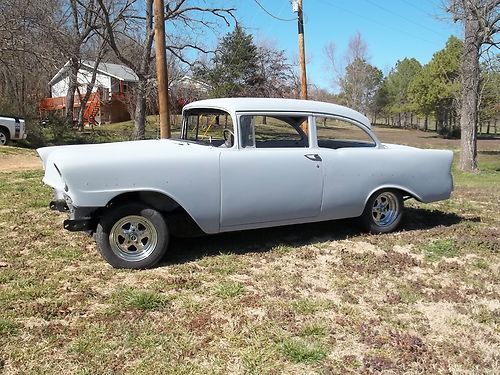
{"x": 11, "y": 128}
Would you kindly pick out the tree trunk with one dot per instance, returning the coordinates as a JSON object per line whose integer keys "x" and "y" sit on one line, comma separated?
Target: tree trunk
{"x": 440, "y": 120}
{"x": 74, "y": 65}
{"x": 470, "y": 92}
{"x": 426, "y": 123}
{"x": 446, "y": 122}
{"x": 81, "y": 112}
{"x": 140, "y": 111}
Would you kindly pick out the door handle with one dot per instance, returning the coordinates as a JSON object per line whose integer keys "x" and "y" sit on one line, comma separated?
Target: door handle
{"x": 313, "y": 157}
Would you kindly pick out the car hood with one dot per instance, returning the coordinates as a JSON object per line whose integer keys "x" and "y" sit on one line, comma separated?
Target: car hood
{"x": 125, "y": 161}
{"x": 91, "y": 155}
{"x": 88, "y": 154}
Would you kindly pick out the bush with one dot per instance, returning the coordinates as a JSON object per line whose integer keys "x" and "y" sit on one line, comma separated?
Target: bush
{"x": 449, "y": 132}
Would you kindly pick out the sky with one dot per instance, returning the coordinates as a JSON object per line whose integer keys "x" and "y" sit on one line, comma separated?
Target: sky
{"x": 392, "y": 29}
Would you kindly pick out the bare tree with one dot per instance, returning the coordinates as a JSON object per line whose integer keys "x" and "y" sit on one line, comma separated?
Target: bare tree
{"x": 356, "y": 50}
{"x": 480, "y": 19}
{"x": 275, "y": 71}
{"x": 332, "y": 63}
{"x": 83, "y": 21}
{"x": 189, "y": 17}
{"x": 357, "y": 80}
{"x": 27, "y": 58}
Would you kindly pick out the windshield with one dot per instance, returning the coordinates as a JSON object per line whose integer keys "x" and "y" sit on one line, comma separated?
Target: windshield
{"x": 208, "y": 127}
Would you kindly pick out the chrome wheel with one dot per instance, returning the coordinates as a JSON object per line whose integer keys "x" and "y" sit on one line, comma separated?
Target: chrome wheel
{"x": 385, "y": 209}
{"x": 3, "y": 139}
{"x": 133, "y": 238}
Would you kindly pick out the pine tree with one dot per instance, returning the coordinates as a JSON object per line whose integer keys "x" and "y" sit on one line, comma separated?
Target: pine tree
{"x": 235, "y": 67}
{"x": 397, "y": 85}
{"x": 436, "y": 87}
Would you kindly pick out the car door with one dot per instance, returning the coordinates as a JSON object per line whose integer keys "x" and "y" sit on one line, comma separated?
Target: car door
{"x": 273, "y": 176}
{"x": 352, "y": 166}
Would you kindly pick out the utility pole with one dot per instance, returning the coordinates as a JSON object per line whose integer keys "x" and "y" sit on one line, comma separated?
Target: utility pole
{"x": 297, "y": 8}
{"x": 161, "y": 68}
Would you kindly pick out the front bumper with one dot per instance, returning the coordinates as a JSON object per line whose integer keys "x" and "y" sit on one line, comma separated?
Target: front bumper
{"x": 80, "y": 218}
{"x": 59, "y": 205}
{"x": 87, "y": 225}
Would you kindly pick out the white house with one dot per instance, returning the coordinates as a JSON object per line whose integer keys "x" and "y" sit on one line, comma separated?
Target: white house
{"x": 191, "y": 83}
{"x": 111, "y": 77}
{"x": 109, "y": 93}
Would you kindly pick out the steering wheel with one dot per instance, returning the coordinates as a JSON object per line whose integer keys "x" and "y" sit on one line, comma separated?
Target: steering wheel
{"x": 228, "y": 137}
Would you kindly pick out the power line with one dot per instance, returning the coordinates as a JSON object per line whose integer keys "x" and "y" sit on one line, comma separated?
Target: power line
{"x": 403, "y": 17}
{"x": 409, "y": 2}
{"x": 371, "y": 20}
{"x": 272, "y": 15}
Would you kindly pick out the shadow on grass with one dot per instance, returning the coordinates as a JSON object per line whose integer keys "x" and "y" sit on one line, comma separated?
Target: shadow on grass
{"x": 263, "y": 240}
{"x": 421, "y": 219}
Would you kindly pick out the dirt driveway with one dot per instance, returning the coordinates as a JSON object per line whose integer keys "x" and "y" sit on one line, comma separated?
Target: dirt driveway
{"x": 14, "y": 161}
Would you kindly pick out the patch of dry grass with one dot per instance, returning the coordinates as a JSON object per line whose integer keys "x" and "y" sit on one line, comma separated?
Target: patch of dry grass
{"x": 321, "y": 298}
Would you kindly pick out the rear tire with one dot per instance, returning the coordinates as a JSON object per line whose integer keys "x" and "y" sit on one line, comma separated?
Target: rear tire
{"x": 132, "y": 236}
{"x": 383, "y": 211}
{"x": 4, "y": 137}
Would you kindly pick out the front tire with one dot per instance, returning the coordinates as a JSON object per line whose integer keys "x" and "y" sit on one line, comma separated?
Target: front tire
{"x": 383, "y": 211}
{"x": 132, "y": 236}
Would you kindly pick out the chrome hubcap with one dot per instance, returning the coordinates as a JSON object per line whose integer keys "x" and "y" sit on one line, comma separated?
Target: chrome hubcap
{"x": 133, "y": 238}
{"x": 3, "y": 139}
{"x": 385, "y": 209}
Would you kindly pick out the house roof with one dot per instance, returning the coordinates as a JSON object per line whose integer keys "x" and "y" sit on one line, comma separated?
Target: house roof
{"x": 233, "y": 105}
{"x": 190, "y": 81}
{"x": 121, "y": 72}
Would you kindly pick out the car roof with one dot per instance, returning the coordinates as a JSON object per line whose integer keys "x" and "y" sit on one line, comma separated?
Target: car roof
{"x": 233, "y": 105}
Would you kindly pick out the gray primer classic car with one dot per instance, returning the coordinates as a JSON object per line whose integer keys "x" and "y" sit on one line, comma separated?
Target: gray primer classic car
{"x": 239, "y": 163}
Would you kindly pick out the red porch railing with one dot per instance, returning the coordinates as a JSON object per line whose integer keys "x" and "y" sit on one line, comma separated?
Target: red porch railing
{"x": 91, "y": 108}
{"x": 98, "y": 100}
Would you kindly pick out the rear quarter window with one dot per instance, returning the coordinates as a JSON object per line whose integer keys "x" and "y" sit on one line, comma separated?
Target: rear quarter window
{"x": 337, "y": 133}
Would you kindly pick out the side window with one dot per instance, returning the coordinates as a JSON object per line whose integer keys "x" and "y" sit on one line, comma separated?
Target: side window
{"x": 209, "y": 127}
{"x": 272, "y": 131}
{"x": 337, "y": 133}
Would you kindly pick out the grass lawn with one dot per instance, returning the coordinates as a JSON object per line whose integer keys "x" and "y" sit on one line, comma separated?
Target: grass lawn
{"x": 318, "y": 298}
